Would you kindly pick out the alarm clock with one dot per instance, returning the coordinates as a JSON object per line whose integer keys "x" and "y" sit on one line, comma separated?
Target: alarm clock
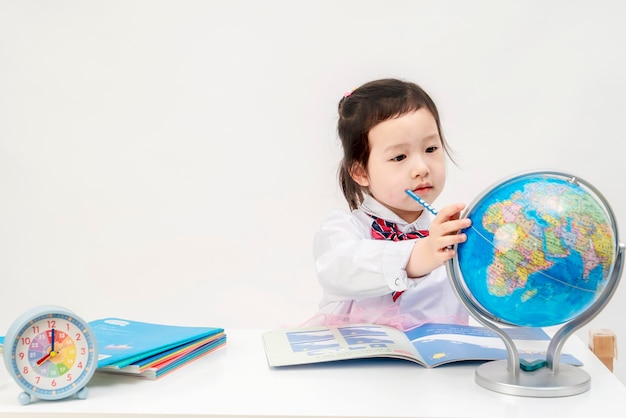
{"x": 51, "y": 353}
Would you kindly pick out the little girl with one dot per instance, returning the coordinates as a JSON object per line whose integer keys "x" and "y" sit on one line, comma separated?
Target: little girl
{"x": 383, "y": 262}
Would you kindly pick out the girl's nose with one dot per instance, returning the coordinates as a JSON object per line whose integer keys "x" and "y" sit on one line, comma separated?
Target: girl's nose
{"x": 419, "y": 168}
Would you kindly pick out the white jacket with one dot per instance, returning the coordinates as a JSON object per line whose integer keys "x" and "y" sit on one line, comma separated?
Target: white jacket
{"x": 359, "y": 274}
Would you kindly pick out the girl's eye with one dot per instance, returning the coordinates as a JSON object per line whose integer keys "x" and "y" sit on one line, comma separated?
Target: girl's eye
{"x": 399, "y": 157}
{"x": 430, "y": 150}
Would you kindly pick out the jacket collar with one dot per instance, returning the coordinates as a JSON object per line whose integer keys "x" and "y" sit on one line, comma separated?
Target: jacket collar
{"x": 371, "y": 206}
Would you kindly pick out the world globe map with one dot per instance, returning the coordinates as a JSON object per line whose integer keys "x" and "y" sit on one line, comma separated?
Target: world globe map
{"x": 540, "y": 250}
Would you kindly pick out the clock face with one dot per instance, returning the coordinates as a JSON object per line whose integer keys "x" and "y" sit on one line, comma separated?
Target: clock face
{"x": 52, "y": 355}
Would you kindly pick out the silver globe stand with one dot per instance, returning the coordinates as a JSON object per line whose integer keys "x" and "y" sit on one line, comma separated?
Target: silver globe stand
{"x": 550, "y": 380}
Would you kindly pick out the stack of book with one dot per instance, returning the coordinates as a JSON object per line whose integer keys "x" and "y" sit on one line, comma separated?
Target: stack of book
{"x": 151, "y": 350}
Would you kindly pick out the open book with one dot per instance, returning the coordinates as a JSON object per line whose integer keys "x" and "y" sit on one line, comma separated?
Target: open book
{"x": 430, "y": 345}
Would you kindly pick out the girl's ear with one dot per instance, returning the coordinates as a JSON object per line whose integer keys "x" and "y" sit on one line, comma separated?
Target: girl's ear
{"x": 359, "y": 175}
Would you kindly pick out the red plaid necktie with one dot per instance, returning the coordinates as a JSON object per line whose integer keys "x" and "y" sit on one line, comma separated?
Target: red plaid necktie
{"x": 382, "y": 229}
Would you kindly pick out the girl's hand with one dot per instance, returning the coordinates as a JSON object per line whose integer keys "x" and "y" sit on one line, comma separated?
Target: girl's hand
{"x": 434, "y": 250}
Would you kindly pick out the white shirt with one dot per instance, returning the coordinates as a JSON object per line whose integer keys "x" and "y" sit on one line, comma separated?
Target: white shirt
{"x": 359, "y": 274}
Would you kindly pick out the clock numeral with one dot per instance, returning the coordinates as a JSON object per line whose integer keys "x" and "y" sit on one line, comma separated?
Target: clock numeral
{"x": 69, "y": 377}
{"x": 25, "y": 341}
{"x": 36, "y": 330}
{"x": 53, "y": 383}
{"x": 52, "y": 324}
{"x": 25, "y": 370}
{"x": 78, "y": 336}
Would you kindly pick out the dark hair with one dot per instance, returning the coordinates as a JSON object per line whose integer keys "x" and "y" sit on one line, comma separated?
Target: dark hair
{"x": 367, "y": 106}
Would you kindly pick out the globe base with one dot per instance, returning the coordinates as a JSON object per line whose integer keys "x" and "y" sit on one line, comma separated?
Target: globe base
{"x": 541, "y": 383}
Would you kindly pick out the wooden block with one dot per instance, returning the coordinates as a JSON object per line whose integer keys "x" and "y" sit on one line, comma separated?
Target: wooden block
{"x": 608, "y": 362}
{"x": 603, "y": 343}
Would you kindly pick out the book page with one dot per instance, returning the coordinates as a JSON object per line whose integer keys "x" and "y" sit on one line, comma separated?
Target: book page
{"x": 322, "y": 344}
{"x": 443, "y": 343}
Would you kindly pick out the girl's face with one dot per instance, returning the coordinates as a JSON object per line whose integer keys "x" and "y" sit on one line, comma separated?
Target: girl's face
{"x": 405, "y": 153}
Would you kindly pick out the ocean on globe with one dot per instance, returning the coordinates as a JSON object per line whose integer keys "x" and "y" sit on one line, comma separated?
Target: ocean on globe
{"x": 540, "y": 251}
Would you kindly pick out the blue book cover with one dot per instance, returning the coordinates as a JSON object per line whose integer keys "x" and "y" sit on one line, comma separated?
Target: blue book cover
{"x": 162, "y": 364}
{"x": 122, "y": 342}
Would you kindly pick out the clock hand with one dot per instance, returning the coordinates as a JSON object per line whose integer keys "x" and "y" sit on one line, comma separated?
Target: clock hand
{"x": 46, "y": 357}
{"x": 51, "y": 353}
{"x": 43, "y": 359}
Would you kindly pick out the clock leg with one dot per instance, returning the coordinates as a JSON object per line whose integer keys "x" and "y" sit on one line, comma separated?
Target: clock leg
{"x": 24, "y": 398}
{"x": 82, "y": 393}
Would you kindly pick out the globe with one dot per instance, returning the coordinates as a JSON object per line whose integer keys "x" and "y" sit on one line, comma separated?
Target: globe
{"x": 540, "y": 251}
{"x": 543, "y": 250}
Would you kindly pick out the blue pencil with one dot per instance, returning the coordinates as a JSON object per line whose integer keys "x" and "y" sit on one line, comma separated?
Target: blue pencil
{"x": 422, "y": 202}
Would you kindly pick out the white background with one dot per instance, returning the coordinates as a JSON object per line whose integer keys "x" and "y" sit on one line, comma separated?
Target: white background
{"x": 170, "y": 161}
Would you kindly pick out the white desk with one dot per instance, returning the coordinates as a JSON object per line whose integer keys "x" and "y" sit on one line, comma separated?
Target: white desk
{"x": 235, "y": 381}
